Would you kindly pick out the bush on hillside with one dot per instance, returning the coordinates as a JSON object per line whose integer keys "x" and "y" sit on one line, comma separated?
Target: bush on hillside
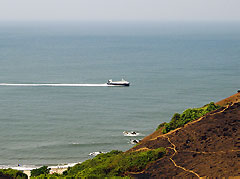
{"x": 179, "y": 120}
{"x": 39, "y": 171}
{"x": 11, "y": 173}
{"x": 161, "y": 125}
{"x": 50, "y": 176}
{"x": 115, "y": 163}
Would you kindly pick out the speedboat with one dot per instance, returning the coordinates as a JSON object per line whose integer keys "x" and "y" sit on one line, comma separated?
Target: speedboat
{"x": 118, "y": 83}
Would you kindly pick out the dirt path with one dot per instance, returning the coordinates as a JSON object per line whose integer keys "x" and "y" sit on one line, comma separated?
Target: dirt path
{"x": 174, "y": 163}
{"x": 169, "y": 142}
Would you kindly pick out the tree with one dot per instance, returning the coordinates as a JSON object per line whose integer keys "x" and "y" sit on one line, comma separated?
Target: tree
{"x": 39, "y": 171}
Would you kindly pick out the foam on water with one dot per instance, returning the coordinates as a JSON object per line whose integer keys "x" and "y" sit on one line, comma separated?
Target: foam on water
{"x": 24, "y": 167}
{"x": 96, "y": 153}
{"x": 131, "y": 134}
{"x": 31, "y": 167}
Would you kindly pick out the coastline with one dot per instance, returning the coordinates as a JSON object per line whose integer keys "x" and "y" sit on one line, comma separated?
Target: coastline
{"x": 27, "y": 168}
{"x": 221, "y": 118}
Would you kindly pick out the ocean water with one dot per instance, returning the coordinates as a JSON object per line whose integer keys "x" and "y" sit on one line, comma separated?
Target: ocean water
{"x": 171, "y": 67}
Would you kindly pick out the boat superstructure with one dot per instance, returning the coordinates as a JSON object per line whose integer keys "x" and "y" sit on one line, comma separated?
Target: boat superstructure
{"x": 118, "y": 83}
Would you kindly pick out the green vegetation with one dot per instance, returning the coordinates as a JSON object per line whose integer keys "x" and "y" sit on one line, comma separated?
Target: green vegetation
{"x": 161, "y": 125}
{"x": 50, "y": 176}
{"x": 10, "y": 173}
{"x": 38, "y": 171}
{"x": 178, "y": 120}
{"x": 114, "y": 163}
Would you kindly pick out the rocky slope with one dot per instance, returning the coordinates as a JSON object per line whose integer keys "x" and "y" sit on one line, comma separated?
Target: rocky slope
{"x": 209, "y": 146}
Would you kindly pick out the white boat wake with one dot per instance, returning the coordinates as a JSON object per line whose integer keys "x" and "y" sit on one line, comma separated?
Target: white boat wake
{"x": 55, "y": 85}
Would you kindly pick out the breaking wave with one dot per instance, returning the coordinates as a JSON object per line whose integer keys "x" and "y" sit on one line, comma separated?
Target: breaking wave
{"x": 31, "y": 167}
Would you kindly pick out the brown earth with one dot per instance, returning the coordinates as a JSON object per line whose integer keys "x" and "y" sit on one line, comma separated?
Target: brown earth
{"x": 232, "y": 99}
{"x": 206, "y": 147}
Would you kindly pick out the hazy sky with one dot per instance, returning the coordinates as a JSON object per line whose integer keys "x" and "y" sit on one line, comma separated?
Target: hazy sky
{"x": 120, "y": 10}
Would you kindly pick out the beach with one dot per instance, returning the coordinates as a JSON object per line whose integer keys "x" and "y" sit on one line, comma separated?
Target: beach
{"x": 27, "y": 169}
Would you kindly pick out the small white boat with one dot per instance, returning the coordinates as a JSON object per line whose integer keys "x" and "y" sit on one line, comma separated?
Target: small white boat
{"x": 132, "y": 133}
{"x": 118, "y": 83}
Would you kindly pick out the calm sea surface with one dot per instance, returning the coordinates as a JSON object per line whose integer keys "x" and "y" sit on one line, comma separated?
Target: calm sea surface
{"x": 171, "y": 67}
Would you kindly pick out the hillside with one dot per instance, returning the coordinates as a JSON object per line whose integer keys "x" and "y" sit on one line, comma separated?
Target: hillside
{"x": 209, "y": 146}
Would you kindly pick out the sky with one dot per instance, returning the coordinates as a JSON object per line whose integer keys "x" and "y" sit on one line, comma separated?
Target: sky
{"x": 119, "y": 10}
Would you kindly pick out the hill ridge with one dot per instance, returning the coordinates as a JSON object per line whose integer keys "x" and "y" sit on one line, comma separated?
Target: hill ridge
{"x": 226, "y": 115}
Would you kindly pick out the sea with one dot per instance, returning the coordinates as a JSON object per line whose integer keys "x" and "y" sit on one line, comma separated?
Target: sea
{"x": 171, "y": 66}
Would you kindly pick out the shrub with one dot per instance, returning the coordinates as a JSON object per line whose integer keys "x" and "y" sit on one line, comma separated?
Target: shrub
{"x": 161, "y": 125}
{"x": 10, "y": 173}
{"x": 39, "y": 171}
{"x": 179, "y": 120}
{"x": 115, "y": 163}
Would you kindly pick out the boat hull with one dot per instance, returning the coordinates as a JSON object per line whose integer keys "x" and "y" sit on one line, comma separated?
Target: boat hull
{"x": 117, "y": 84}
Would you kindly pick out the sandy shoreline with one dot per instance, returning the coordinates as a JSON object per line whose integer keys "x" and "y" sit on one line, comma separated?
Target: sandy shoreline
{"x": 54, "y": 169}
